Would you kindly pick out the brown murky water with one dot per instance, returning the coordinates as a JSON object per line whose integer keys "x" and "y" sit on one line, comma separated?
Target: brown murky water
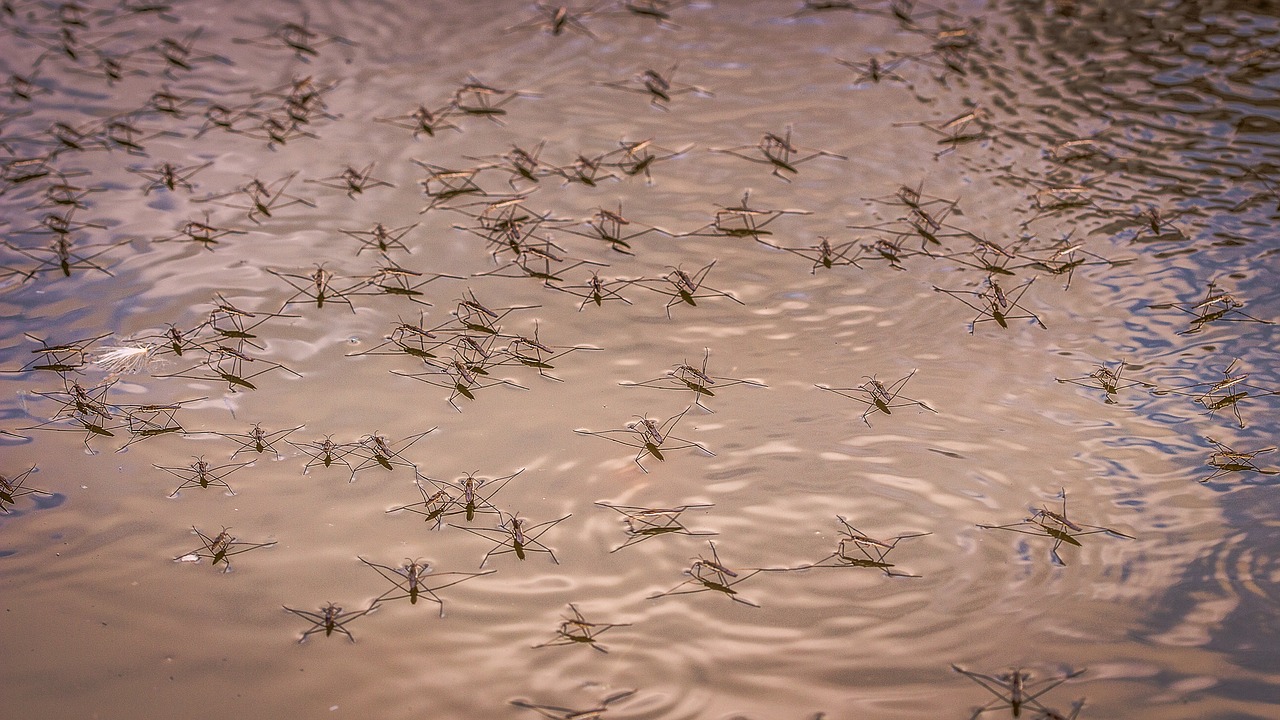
{"x": 1111, "y": 168}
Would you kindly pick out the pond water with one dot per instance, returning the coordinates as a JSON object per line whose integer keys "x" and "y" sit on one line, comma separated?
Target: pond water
{"x": 953, "y": 324}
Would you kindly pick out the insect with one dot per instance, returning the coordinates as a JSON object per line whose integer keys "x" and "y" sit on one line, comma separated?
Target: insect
{"x": 1014, "y": 690}
{"x": 168, "y": 176}
{"x": 533, "y": 353}
{"x": 467, "y": 496}
{"x": 353, "y": 181}
{"x": 1064, "y": 257}
{"x": 650, "y": 437}
{"x": 556, "y": 20}
{"x": 60, "y": 358}
{"x": 586, "y": 170}
{"x": 412, "y": 339}
{"x": 659, "y": 87}
{"x": 688, "y": 377}
{"x": 1055, "y": 524}
{"x": 219, "y": 549}
{"x": 259, "y": 441}
{"x": 203, "y": 475}
{"x": 227, "y": 363}
{"x": 742, "y": 221}
{"x": 182, "y": 54}
{"x": 871, "y": 553}
{"x": 232, "y": 323}
{"x": 476, "y": 317}
{"x": 12, "y": 488}
{"x": 711, "y": 575}
{"x": 326, "y": 453}
{"x": 522, "y": 165}
{"x": 777, "y": 151}
{"x": 443, "y": 184}
{"x": 638, "y": 157}
{"x": 330, "y": 619}
{"x": 462, "y": 379}
{"x": 970, "y": 126}
{"x": 995, "y": 304}
{"x": 555, "y": 712}
{"x": 63, "y": 193}
{"x": 577, "y": 630}
{"x": 476, "y": 494}
{"x": 825, "y": 255}
{"x": 1217, "y": 305}
{"x": 423, "y": 121}
{"x": 262, "y": 199}
{"x": 683, "y": 287}
{"x": 397, "y": 280}
{"x": 514, "y": 535}
{"x": 657, "y": 10}
{"x": 534, "y": 260}
{"x": 148, "y": 421}
{"x": 474, "y": 97}
{"x": 298, "y": 37}
{"x": 642, "y": 523}
{"x": 380, "y": 238}
{"x": 1108, "y": 380}
{"x": 376, "y": 450}
{"x": 1226, "y": 460}
{"x": 813, "y": 6}
{"x": 874, "y": 71}
{"x": 608, "y": 226}
{"x": 596, "y": 291}
{"x": 226, "y": 117}
{"x": 1224, "y": 393}
{"x": 317, "y": 286}
{"x": 82, "y": 409}
{"x": 62, "y": 254}
{"x": 412, "y": 579}
{"x": 879, "y": 397}
{"x": 201, "y": 232}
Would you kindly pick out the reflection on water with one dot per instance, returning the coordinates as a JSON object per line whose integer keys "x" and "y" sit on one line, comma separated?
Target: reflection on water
{"x": 920, "y": 358}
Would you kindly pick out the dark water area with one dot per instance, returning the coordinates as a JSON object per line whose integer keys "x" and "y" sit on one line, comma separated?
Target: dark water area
{"x": 758, "y": 359}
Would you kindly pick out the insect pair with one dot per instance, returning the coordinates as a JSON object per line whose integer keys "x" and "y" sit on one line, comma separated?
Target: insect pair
{"x": 467, "y": 496}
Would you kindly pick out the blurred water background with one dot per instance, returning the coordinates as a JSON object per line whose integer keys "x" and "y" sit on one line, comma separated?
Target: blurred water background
{"x": 1111, "y": 168}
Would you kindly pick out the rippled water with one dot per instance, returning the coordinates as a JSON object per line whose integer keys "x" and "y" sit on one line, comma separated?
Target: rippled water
{"x": 1143, "y": 135}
